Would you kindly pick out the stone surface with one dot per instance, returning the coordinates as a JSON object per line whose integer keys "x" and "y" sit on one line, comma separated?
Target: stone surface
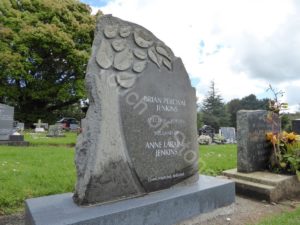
{"x": 139, "y": 134}
{"x": 264, "y": 185}
{"x": 253, "y": 149}
{"x": 228, "y": 133}
{"x": 6, "y": 121}
{"x": 296, "y": 126}
{"x": 55, "y": 131}
{"x": 165, "y": 207}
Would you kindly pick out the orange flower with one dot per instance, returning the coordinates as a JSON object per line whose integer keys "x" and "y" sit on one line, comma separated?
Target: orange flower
{"x": 291, "y": 136}
{"x": 269, "y": 136}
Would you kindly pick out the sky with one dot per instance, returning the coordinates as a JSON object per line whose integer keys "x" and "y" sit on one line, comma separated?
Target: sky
{"x": 242, "y": 45}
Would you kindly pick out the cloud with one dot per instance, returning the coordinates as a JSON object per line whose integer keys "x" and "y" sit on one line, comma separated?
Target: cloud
{"x": 243, "y": 45}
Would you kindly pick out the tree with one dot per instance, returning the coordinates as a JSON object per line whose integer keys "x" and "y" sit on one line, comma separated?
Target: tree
{"x": 249, "y": 102}
{"x": 44, "y": 49}
{"x": 213, "y": 109}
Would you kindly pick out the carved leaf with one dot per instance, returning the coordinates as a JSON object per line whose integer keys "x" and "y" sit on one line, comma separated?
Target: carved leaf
{"x": 163, "y": 52}
{"x": 140, "y": 54}
{"x": 119, "y": 45}
{"x": 167, "y": 64}
{"x": 125, "y": 31}
{"x": 143, "y": 38}
{"x": 153, "y": 56}
{"x": 110, "y": 31}
{"x": 123, "y": 60}
{"x": 138, "y": 67}
{"x": 104, "y": 56}
{"x": 125, "y": 79}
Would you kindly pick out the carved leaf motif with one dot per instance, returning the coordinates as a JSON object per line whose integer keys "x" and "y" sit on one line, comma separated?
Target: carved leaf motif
{"x": 142, "y": 38}
{"x": 140, "y": 54}
{"x": 153, "y": 56}
{"x": 138, "y": 67}
{"x": 123, "y": 60}
{"x": 119, "y": 45}
{"x": 104, "y": 56}
{"x": 125, "y": 79}
{"x": 167, "y": 64}
{"x": 110, "y": 31}
{"x": 125, "y": 31}
{"x": 163, "y": 52}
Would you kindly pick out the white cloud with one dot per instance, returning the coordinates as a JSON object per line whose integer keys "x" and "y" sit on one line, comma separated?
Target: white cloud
{"x": 246, "y": 44}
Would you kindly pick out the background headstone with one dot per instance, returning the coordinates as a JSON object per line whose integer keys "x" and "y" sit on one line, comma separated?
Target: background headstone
{"x": 139, "y": 134}
{"x": 207, "y": 130}
{"x": 296, "y": 126}
{"x": 55, "y": 131}
{"x": 6, "y": 121}
{"x": 253, "y": 149}
{"x": 228, "y": 133}
{"x": 40, "y": 127}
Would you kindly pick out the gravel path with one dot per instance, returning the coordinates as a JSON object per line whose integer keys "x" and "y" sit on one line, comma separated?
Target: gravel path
{"x": 243, "y": 211}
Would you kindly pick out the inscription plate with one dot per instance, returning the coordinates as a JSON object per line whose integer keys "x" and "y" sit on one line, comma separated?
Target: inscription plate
{"x": 6, "y": 121}
{"x": 253, "y": 149}
{"x": 158, "y": 117}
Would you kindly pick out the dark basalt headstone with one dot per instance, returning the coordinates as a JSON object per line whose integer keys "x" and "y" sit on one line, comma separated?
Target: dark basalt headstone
{"x": 296, "y": 126}
{"x": 139, "y": 134}
{"x": 6, "y": 121}
{"x": 253, "y": 149}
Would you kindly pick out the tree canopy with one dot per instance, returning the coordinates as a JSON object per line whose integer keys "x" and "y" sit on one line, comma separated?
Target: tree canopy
{"x": 213, "y": 111}
{"x": 44, "y": 49}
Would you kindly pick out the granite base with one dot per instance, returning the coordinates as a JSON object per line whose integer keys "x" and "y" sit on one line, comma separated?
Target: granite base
{"x": 165, "y": 207}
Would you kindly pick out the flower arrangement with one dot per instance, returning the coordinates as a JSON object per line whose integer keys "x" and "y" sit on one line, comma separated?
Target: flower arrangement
{"x": 285, "y": 157}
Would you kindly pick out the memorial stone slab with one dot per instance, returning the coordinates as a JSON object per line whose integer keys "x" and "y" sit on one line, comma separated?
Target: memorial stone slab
{"x": 228, "y": 133}
{"x": 139, "y": 134}
{"x": 296, "y": 126}
{"x": 253, "y": 149}
{"x": 55, "y": 131}
{"x": 6, "y": 121}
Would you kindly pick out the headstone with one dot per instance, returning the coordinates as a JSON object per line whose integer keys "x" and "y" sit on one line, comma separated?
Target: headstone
{"x": 207, "y": 130}
{"x": 296, "y": 126}
{"x": 6, "y": 121}
{"x": 20, "y": 126}
{"x": 55, "y": 131}
{"x": 228, "y": 133}
{"x": 139, "y": 134}
{"x": 253, "y": 149}
{"x": 40, "y": 127}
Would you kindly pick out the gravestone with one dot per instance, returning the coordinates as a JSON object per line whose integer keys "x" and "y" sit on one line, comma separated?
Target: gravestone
{"x": 55, "y": 131}
{"x": 207, "y": 130}
{"x": 6, "y": 121}
{"x": 253, "y": 149}
{"x": 296, "y": 126}
{"x": 228, "y": 133}
{"x": 40, "y": 127}
{"x": 139, "y": 134}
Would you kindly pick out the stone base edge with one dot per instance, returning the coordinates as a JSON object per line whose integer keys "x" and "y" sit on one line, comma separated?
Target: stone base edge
{"x": 167, "y": 207}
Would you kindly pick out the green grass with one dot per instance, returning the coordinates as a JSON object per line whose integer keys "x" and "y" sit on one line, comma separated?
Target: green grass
{"x": 42, "y": 139}
{"x": 286, "y": 218}
{"x": 27, "y": 172}
{"x": 216, "y": 158}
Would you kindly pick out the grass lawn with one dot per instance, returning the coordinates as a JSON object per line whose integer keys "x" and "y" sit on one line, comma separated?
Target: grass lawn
{"x": 216, "y": 158}
{"x": 27, "y": 172}
{"x": 286, "y": 218}
{"x": 42, "y": 139}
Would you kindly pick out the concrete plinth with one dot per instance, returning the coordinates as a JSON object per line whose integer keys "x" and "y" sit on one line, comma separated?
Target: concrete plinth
{"x": 264, "y": 185}
{"x": 165, "y": 207}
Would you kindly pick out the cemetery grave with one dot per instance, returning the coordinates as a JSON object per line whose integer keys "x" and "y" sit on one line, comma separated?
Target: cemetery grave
{"x": 138, "y": 146}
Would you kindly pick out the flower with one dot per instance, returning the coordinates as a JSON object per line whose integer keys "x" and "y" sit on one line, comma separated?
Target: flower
{"x": 291, "y": 136}
{"x": 269, "y": 136}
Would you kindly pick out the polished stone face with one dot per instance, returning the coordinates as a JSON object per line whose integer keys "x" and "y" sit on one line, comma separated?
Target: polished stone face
{"x": 6, "y": 121}
{"x": 139, "y": 134}
{"x": 253, "y": 149}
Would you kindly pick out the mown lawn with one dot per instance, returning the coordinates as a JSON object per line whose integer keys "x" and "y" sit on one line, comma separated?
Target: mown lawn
{"x": 42, "y": 139}
{"x": 216, "y": 158}
{"x": 27, "y": 172}
{"x": 286, "y": 218}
